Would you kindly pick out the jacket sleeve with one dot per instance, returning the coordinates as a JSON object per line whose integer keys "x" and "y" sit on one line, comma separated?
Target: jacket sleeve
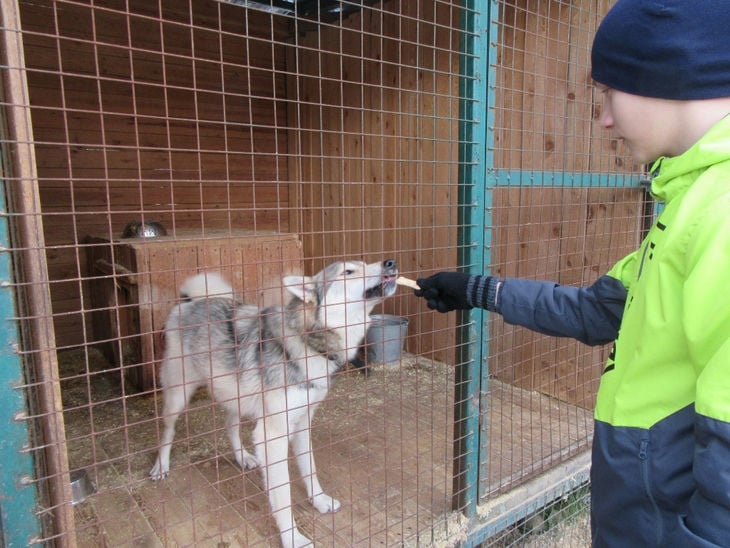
{"x": 592, "y": 314}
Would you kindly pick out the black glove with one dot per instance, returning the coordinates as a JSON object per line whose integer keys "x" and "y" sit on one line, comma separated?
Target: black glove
{"x": 447, "y": 291}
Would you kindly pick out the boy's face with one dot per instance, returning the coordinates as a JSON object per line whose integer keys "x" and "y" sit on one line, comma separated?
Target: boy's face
{"x": 647, "y": 126}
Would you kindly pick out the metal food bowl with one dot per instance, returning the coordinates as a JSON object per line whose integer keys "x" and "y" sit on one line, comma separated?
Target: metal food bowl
{"x": 147, "y": 229}
{"x": 385, "y": 338}
{"x": 81, "y": 486}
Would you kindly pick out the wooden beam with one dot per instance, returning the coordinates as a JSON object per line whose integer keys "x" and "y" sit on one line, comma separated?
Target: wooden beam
{"x": 38, "y": 344}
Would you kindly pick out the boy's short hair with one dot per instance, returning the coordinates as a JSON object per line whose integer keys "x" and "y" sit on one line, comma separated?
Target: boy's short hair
{"x": 668, "y": 49}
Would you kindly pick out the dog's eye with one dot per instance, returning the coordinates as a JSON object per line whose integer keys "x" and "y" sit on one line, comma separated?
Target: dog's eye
{"x": 349, "y": 272}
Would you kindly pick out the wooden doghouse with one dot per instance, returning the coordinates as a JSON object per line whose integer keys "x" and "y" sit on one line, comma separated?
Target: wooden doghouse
{"x": 134, "y": 283}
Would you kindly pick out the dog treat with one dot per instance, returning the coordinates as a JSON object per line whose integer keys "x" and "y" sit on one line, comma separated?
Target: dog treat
{"x": 402, "y": 280}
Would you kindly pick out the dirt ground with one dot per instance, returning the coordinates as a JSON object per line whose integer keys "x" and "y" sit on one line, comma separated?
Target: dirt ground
{"x": 383, "y": 445}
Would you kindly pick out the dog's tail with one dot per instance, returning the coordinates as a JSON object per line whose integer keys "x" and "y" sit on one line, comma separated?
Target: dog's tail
{"x": 206, "y": 284}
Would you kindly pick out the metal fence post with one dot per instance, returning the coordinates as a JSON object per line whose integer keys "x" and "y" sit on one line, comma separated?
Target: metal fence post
{"x": 18, "y": 523}
{"x": 475, "y": 159}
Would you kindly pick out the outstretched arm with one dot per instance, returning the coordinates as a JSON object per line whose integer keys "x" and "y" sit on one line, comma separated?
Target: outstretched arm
{"x": 589, "y": 314}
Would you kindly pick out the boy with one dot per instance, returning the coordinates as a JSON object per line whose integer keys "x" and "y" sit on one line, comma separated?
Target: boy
{"x": 660, "y": 471}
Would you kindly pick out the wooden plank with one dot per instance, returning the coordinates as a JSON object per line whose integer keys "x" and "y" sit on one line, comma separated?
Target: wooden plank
{"x": 33, "y": 295}
{"x": 535, "y": 124}
{"x": 121, "y": 520}
{"x": 560, "y": 377}
{"x": 538, "y": 234}
{"x": 579, "y": 97}
{"x": 509, "y": 85}
{"x": 591, "y": 228}
{"x": 245, "y": 520}
{"x": 378, "y": 190}
{"x": 546, "y": 108}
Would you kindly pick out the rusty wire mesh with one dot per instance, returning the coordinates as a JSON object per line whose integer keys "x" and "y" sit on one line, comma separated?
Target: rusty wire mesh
{"x": 271, "y": 138}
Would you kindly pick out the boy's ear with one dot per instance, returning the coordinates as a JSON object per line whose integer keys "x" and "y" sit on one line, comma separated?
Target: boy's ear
{"x": 302, "y": 287}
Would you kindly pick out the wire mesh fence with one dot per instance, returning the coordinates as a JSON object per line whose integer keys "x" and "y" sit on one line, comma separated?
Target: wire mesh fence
{"x": 145, "y": 142}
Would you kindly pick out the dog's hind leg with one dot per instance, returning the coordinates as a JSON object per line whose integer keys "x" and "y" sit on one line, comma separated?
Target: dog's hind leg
{"x": 302, "y": 446}
{"x": 176, "y": 399}
{"x": 272, "y": 449}
{"x": 233, "y": 427}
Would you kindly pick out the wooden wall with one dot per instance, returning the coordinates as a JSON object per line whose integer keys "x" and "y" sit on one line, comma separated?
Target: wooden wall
{"x": 376, "y": 147}
{"x": 570, "y": 236}
{"x": 377, "y": 161}
{"x": 170, "y": 111}
{"x": 208, "y": 116}
{"x": 546, "y": 105}
{"x": 546, "y": 122}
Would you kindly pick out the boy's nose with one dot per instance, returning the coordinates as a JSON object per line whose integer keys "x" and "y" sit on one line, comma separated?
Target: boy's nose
{"x": 605, "y": 119}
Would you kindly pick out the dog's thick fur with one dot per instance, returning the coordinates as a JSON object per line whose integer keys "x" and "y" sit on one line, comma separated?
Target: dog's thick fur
{"x": 273, "y": 365}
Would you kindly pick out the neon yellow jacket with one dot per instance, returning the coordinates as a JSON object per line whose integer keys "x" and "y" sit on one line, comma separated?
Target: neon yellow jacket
{"x": 673, "y": 347}
{"x": 662, "y": 437}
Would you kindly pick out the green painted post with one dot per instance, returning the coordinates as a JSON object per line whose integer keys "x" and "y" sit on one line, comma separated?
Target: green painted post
{"x": 490, "y": 66}
{"x": 18, "y": 522}
{"x": 475, "y": 158}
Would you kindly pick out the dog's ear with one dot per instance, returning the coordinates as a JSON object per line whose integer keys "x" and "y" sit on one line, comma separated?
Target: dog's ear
{"x": 303, "y": 287}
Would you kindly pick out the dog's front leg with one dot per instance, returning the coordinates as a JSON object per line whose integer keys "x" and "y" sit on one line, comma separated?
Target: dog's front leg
{"x": 233, "y": 427}
{"x": 302, "y": 446}
{"x": 272, "y": 449}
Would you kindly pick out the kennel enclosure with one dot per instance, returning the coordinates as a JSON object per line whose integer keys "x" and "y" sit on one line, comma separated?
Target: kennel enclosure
{"x": 272, "y": 137}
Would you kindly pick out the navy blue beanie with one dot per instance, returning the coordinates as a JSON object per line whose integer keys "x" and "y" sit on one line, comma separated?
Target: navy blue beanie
{"x": 673, "y": 49}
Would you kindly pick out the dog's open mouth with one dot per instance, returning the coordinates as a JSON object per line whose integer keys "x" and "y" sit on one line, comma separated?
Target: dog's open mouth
{"x": 386, "y": 288}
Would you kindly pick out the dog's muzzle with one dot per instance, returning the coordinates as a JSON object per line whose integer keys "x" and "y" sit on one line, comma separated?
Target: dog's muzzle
{"x": 388, "y": 285}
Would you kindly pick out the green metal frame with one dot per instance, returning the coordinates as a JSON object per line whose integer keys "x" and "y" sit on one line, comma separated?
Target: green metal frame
{"x": 18, "y": 521}
{"x": 476, "y": 117}
{"x": 526, "y": 178}
{"x": 477, "y": 179}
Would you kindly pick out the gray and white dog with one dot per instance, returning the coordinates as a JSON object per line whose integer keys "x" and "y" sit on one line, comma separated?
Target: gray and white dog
{"x": 273, "y": 365}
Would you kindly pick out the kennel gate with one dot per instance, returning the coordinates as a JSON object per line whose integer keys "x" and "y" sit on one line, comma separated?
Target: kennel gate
{"x": 486, "y": 175}
{"x": 489, "y": 180}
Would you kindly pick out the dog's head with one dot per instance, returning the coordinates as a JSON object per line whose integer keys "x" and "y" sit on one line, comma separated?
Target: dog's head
{"x": 346, "y": 285}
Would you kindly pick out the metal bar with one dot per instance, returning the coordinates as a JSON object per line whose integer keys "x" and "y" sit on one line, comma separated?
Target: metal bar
{"x": 18, "y": 524}
{"x": 523, "y": 501}
{"x": 531, "y": 178}
{"x": 490, "y": 67}
{"x": 473, "y": 161}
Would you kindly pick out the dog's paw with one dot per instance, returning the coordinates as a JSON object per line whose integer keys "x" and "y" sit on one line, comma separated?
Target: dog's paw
{"x": 159, "y": 472}
{"x": 294, "y": 539}
{"x": 247, "y": 461}
{"x": 325, "y": 504}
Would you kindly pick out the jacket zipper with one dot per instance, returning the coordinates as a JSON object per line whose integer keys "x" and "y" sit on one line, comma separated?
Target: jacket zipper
{"x": 643, "y": 456}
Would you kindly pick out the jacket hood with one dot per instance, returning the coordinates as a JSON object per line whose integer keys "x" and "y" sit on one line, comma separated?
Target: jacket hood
{"x": 670, "y": 175}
